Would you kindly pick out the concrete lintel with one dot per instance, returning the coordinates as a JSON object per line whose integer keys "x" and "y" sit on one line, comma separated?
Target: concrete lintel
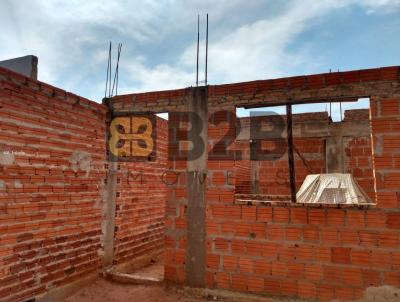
{"x": 320, "y": 129}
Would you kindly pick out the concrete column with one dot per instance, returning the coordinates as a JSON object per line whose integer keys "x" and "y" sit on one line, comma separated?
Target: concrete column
{"x": 26, "y": 65}
{"x": 196, "y": 191}
{"x": 334, "y": 154}
{"x": 255, "y": 176}
{"x": 108, "y": 223}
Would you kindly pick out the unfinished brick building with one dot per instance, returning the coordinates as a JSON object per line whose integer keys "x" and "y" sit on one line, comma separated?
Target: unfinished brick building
{"x": 68, "y": 213}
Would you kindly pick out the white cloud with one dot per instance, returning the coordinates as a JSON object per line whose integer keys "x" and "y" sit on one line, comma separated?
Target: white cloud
{"x": 380, "y": 6}
{"x": 248, "y": 39}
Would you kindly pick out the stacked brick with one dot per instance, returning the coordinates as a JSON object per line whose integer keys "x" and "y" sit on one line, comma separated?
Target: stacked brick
{"x": 358, "y": 162}
{"x": 282, "y": 249}
{"x": 243, "y": 169}
{"x": 51, "y": 177}
{"x": 52, "y": 162}
{"x": 312, "y": 253}
{"x": 319, "y": 253}
{"x": 176, "y": 206}
{"x": 385, "y": 127}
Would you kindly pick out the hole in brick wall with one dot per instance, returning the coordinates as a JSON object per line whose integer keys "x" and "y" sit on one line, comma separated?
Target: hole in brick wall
{"x": 328, "y": 139}
{"x": 262, "y": 172}
{"x": 141, "y": 203}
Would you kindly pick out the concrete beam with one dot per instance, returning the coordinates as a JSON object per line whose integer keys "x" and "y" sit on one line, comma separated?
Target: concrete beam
{"x": 333, "y": 133}
{"x": 319, "y": 129}
{"x": 27, "y": 66}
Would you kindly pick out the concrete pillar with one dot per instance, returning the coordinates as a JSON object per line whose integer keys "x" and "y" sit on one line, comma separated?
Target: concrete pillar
{"x": 196, "y": 191}
{"x": 26, "y": 65}
{"x": 255, "y": 176}
{"x": 334, "y": 154}
{"x": 108, "y": 223}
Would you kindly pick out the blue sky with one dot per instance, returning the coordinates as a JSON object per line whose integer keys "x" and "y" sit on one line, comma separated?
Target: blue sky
{"x": 249, "y": 40}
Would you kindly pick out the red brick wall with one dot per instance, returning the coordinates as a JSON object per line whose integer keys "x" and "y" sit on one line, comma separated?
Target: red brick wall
{"x": 385, "y": 125}
{"x": 312, "y": 252}
{"x": 51, "y": 175}
{"x": 243, "y": 169}
{"x": 358, "y": 154}
{"x": 358, "y": 162}
{"x": 304, "y": 252}
{"x": 283, "y": 249}
{"x": 141, "y": 201}
{"x": 176, "y": 221}
{"x": 274, "y": 175}
{"x": 292, "y": 250}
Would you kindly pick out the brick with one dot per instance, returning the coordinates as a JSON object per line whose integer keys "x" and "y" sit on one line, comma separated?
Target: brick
{"x": 355, "y": 218}
{"x": 276, "y": 232}
{"x": 295, "y": 270}
{"x": 393, "y": 220}
{"x": 299, "y": 215}
{"x": 249, "y": 213}
{"x": 333, "y": 274}
{"x": 381, "y": 259}
{"x": 221, "y": 244}
{"x": 270, "y": 250}
{"x": 289, "y": 288}
{"x": 272, "y": 285}
{"x": 361, "y": 257}
{"x": 213, "y": 261}
{"x": 264, "y": 214}
{"x": 371, "y": 278}
{"x": 392, "y": 278}
{"x": 279, "y": 269}
{"x": 222, "y": 280}
{"x": 344, "y": 293}
{"x": 368, "y": 238}
{"x": 307, "y": 290}
{"x": 335, "y": 217}
{"x": 317, "y": 217}
{"x": 262, "y": 267}
{"x": 287, "y": 253}
{"x": 349, "y": 236}
{"x": 254, "y": 248}
{"x": 330, "y": 236}
{"x": 239, "y": 282}
{"x": 245, "y": 265}
{"x": 375, "y": 219}
{"x": 311, "y": 234}
{"x": 255, "y": 284}
{"x": 340, "y": 255}
{"x": 294, "y": 233}
{"x": 281, "y": 215}
{"x": 230, "y": 263}
{"x": 353, "y": 276}
{"x": 313, "y": 272}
